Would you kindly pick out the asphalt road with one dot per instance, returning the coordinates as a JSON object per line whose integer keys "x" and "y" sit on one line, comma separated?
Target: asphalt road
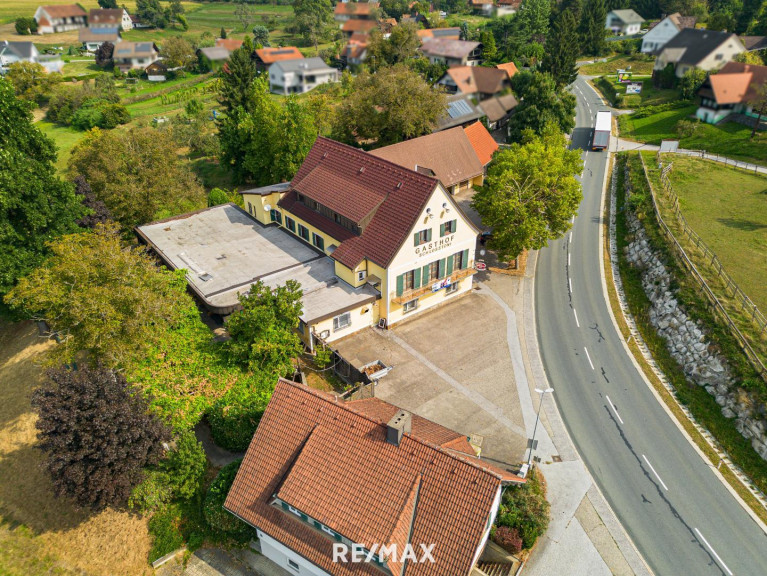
{"x": 680, "y": 516}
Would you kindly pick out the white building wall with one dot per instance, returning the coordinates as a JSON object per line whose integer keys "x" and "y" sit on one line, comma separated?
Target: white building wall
{"x": 493, "y": 514}
{"x": 657, "y": 38}
{"x": 280, "y": 554}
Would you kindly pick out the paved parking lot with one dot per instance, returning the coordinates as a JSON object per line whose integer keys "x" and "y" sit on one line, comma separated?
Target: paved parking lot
{"x": 451, "y": 365}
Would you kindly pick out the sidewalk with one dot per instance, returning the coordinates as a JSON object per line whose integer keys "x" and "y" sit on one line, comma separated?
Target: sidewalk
{"x": 584, "y": 533}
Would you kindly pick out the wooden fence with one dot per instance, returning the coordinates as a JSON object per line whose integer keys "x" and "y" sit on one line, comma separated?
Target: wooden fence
{"x": 731, "y": 288}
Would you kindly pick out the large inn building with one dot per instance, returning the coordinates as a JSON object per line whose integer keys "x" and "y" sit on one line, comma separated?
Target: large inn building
{"x": 395, "y": 229}
{"x": 371, "y": 243}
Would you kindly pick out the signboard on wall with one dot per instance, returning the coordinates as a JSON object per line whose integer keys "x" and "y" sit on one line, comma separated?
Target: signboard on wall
{"x": 434, "y": 245}
{"x": 634, "y": 88}
{"x": 440, "y": 284}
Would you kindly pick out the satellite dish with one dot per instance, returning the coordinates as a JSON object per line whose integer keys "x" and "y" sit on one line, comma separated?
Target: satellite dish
{"x": 268, "y": 207}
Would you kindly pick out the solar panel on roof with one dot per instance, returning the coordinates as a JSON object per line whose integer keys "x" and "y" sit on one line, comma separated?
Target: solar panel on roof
{"x": 123, "y": 51}
{"x": 458, "y": 108}
{"x": 283, "y": 52}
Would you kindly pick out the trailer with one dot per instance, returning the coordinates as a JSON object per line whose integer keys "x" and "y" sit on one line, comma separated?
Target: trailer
{"x": 602, "y": 128}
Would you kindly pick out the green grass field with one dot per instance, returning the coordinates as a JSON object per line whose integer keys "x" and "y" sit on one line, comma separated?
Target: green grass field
{"x": 729, "y": 139}
{"x": 65, "y": 138}
{"x": 638, "y": 63}
{"x": 728, "y": 209}
{"x": 650, "y": 95}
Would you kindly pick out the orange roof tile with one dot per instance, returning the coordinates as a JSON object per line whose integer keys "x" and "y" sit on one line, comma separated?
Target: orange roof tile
{"x": 482, "y": 142}
{"x": 230, "y": 44}
{"x": 355, "y": 8}
{"x": 272, "y": 55}
{"x": 331, "y": 461}
{"x": 67, "y": 11}
{"x": 737, "y": 82}
{"x": 359, "y": 25}
{"x": 509, "y": 67}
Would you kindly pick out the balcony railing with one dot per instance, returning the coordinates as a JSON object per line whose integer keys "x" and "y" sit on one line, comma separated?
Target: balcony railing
{"x": 412, "y": 294}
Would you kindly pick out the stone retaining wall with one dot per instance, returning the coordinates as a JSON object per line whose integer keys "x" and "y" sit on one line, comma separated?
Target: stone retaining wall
{"x": 686, "y": 341}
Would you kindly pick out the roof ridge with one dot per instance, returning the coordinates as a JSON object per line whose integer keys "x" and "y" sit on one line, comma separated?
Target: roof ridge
{"x": 416, "y": 481}
{"x": 326, "y": 397}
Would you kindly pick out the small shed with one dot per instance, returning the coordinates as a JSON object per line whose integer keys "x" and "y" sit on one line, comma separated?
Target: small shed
{"x": 157, "y": 71}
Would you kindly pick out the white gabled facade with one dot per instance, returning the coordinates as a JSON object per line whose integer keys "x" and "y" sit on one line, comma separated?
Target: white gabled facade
{"x": 657, "y": 38}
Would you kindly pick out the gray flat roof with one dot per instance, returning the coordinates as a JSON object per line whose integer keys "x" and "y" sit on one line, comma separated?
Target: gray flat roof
{"x": 225, "y": 251}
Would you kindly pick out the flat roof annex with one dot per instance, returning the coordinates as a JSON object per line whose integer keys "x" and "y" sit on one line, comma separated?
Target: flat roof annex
{"x": 225, "y": 251}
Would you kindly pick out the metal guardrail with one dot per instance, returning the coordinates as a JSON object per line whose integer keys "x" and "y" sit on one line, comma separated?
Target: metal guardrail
{"x": 747, "y": 306}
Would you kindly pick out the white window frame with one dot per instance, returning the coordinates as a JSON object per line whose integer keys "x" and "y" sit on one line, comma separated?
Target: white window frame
{"x": 293, "y": 565}
{"x": 327, "y": 530}
{"x": 294, "y": 511}
{"x": 452, "y": 289}
{"x": 361, "y": 275}
{"x": 337, "y": 326}
{"x": 410, "y": 305}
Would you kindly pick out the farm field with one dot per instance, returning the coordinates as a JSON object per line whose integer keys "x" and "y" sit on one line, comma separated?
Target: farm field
{"x": 729, "y": 139}
{"x": 728, "y": 209}
{"x": 39, "y": 533}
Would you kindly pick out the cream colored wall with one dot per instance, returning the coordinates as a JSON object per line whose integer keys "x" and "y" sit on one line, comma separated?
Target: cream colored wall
{"x": 257, "y": 202}
{"x": 728, "y": 50}
{"x": 350, "y": 276}
{"x": 361, "y": 317}
{"x": 464, "y": 238}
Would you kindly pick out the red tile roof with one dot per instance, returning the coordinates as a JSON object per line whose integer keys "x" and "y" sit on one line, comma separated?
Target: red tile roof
{"x": 736, "y": 82}
{"x": 482, "y": 142}
{"x": 230, "y": 44}
{"x": 472, "y": 79}
{"x": 67, "y": 11}
{"x": 271, "y": 55}
{"x": 359, "y": 25}
{"x": 509, "y": 67}
{"x": 354, "y": 183}
{"x": 355, "y": 8}
{"x": 331, "y": 461}
{"x": 290, "y": 203}
{"x": 105, "y": 16}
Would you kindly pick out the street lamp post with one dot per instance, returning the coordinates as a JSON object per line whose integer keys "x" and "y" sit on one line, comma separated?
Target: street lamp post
{"x": 537, "y": 418}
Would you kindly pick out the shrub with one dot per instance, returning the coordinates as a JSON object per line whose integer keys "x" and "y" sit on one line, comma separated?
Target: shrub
{"x": 607, "y": 88}
{"x": 217, "y": 196}
{"x": 112, "y": 115}
{"x": 219, "y": 519}
{"x": 25, "y": 26}
{"x": 686, "y": 128}
{"x": 234, "y": 418}
{"x": 186, "y": 465}
{"x": 87, "y": 117}
{"x": 193, "y": 107}
{"x": 525, "y": 508}
{"x": 508, "y": 539}
{"x": 166, "y": 533}
{"x": 152, "y": 493}
{"x": 631, "y": 101}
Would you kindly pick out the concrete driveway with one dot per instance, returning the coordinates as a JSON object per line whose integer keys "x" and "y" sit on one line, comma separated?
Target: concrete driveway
{"x": 452, "y": 365}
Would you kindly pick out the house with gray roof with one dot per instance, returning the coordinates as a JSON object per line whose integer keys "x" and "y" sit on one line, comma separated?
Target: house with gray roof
{"x": 452, "y": 52}
{"x": 299, "y": 75}
{"x": 625, "y": 22}
{"x": 130, "y": 55}
{"x": 12, "y": 52}
{"x": 698, "y": 49}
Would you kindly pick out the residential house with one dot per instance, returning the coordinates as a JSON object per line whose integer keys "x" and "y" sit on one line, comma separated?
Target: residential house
{"x": 356, "y": 50}
{"x": 345, "y": 11}
{"x": 498, "y": 110}
{"x": 137, "y": 22}
{"x": 393, "y": 228}
{"x": 11, "y": 52}
{"x": 93, "y": 38}
{"x": 299, "y": 76}
{"x": 478, "y": 80}
{"x": 135, "y": 55}
{"x": 509, "y": 67}
{"x": 507, "y": 7}
{"x": 732, "y": 90}
{"x": 320, "y": 472}
{"x": 265, "y": 57}
{"x": 387, "y": 25}
{"x": 231, "y": 44}
{"x": 660, "y": 33}
{"x": 448, "y": 155}
{"x": 626, "y": 22}
{"x": 213, "y": 57}
{"x": 157, "y": 71}
{"x": 61, "y": 18}
{"x": 754, "y": 43}
{"x": 452, "y": 52}
{"x": 460, "y": 110}
{"x": 110, "y": 18}
{"x": 484, "y": 7}
{"x": 416, "y": 18}
{"x": 483, "y": 143}
{"x": 351, "y": 27}
{"x": 445, "y": 33}
{"x": 702, "y": 49}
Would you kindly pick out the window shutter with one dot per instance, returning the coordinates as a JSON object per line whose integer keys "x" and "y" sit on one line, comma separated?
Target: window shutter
{"x": 425, "y": 277}
{"x": 400, "y": 284}
{"x": 428, "y": 235}
{"x": 441, "y": 230}
{"x": 441, "y": 271}
{"x": 465, "y": 260}
{"x": 415, "y": 239}
{"x": 416, "y": 279}
{"x": 450, "y": 260}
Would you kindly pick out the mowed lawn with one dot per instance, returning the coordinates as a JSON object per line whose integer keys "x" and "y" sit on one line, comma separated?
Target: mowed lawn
{"x": 729, "y": 139}
{"x": 728, "y": 209}
{"x": 639, "y": 64}
{"x": 39, "y": 533}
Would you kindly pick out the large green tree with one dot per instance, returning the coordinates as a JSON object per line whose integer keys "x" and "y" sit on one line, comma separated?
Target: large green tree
{"x": 35, "y": 205}
{"x": 400, "y": 46}
{"x": 263, "y": 332}
{"x": 104, "y": 299}
{"x": 592, "y": 27}
{"x": 137, "y": 174}
{"x": 530, "y": 194}
{"x": 32, "y": 81}
{"x": 97, "y": 435}
{"x": 541, "y": 104}
{"x": 387, "y": 107}
{"x": 533, "y": 16}
{"x": 562, "y": 48}
{"x": 313, "y": 18}
{"x": 265, "y": 141}
{"x": 237, "y": 79}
